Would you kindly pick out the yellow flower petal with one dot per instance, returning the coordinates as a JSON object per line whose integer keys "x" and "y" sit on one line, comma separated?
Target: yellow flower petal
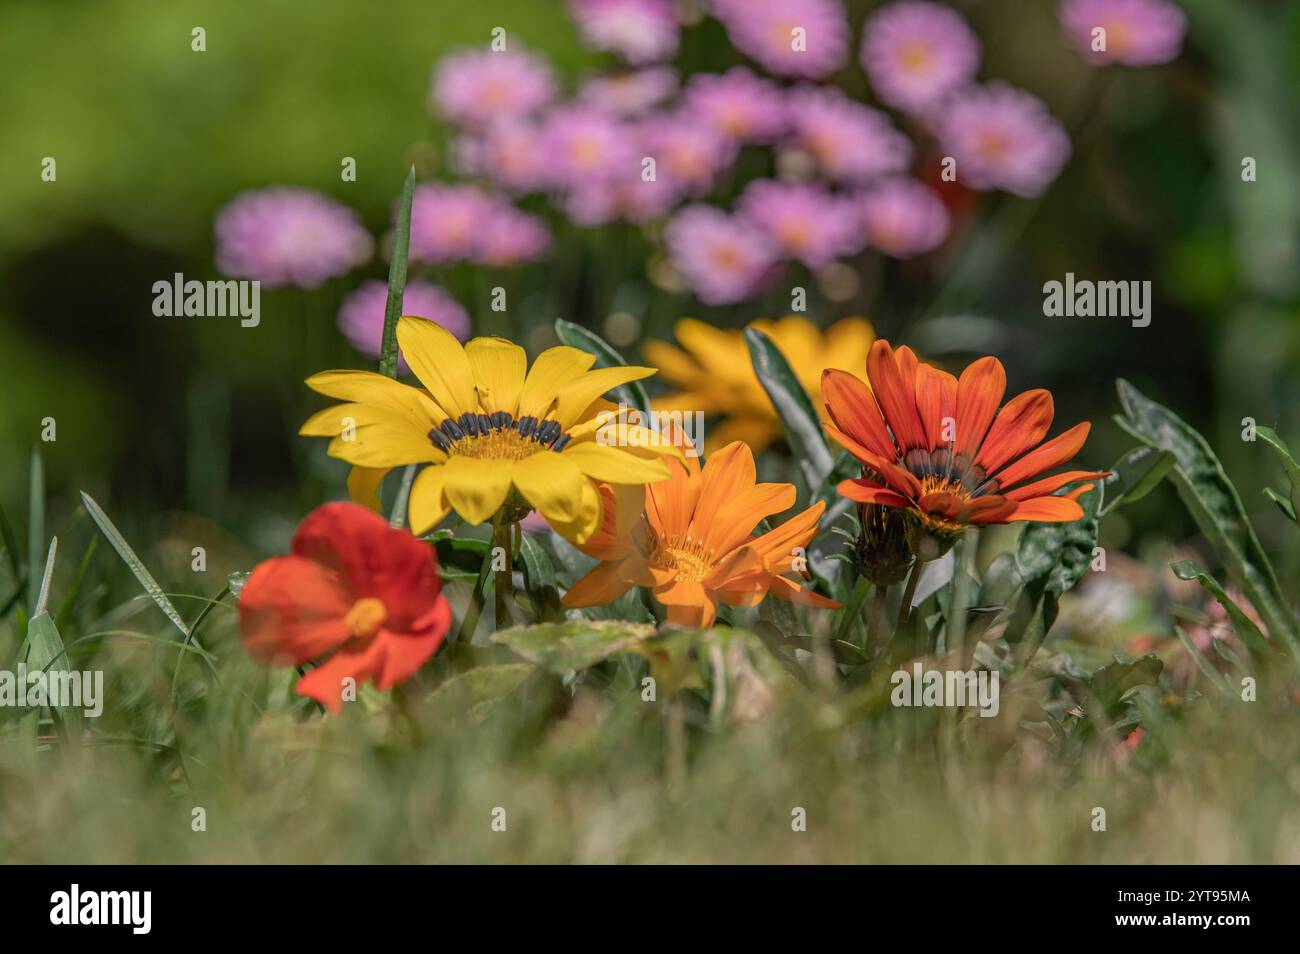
{"x": 578, "y": 396}
{"x": 381, "y": 444}
{"x": 587, "y": 522}
{"x": 476, "y": 487}
{"x": 615, "y": 466}
{"x": 363, "y": 486}
{"x": 554, "y": 369}
{"x": 498, "y": 366}
{"x": 440, "y": 363}
{"x": 428, "y": 505}
{"x": 553, "y": 484}
{"x": 378, "y": 390}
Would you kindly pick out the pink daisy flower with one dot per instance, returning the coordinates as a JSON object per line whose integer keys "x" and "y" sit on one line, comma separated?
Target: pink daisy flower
{"x": 805, "y": 221}
{"x": 1002, "y": 138}
{"x": 640, "y": 31}
{"x": 686, "y": 150}
{"x": 1138, "y": 32}
{"x": 583, "y": 145}
{"x": 800, "y": 38}
{"x": 634, "y": 200}
{"x": 632, "y": 93}
{"x": 851, "y": 142}
{"x": 445, "y": 221}
{"x": 916, "y": 52}
{"x": 738, "y": 104}
{"x": 475, "y": 87}
{"x": 722, "y": 259}
{"x": 361, "y": 316}
{"x": 510, "y": 236}
{"x": 903, "y": 218}
{"x": 507, "y": 153}
{"x": 289, "y": 236}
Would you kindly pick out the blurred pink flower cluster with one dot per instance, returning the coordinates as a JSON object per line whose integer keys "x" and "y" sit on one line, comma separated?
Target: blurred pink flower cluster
{"x": 814, "y": 175}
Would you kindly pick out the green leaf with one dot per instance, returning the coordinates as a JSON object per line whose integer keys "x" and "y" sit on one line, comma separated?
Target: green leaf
{"x": 1283, "y": 504}
{"x": 572, "y": 645}
{"x": 43, "y": 593}
{"x": 1135, "y": 475}
{"x": 398, "y": 515}
{"x": 1216, "y": 507}
{"x": 459, "y": 558}
{"x": 45, "y": 653}
{"x": 575, "y": 336}
{"x": 475, "y": 692}
{"x": 36, "y": 542}
{"x": 1288, "y": 464}
{"x": 539, "y": 576}
{"x": 1242, "y": 624}
{"x": 137, "y": 567}
{"x": 1050, "y": 559}
{"x": 803, "y": 428}
{"x": 397, "y": 277}
{"x": 1203, "y": 664}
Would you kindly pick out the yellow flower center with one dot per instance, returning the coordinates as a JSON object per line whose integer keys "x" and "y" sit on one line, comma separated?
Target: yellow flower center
{"x": 497, "y": 436}
{"x": 914, "y": 57}
{"x": 365, "y": 617}
{"x": 689, "y": 557}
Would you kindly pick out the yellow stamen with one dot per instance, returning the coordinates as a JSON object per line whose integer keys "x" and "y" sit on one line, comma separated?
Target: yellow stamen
{"x": 689, "y": 557}
{"x": 365, "y": 617}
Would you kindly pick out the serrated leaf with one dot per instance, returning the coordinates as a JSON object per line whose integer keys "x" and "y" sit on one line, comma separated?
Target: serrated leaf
{"x": 803, "y": 428}
{"x": 136, "y": 565}
{"x": 1216, "y": 507}
{"x": 576, "y": 336}
{"x": 573, "y": 644}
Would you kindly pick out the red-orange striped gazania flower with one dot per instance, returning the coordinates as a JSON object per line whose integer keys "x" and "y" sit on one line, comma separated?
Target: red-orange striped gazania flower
{"x": 938, "y": 448}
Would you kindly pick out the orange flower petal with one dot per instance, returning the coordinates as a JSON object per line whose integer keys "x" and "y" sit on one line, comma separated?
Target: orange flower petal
{"x": 1048, "y": 485}
{"x": 1047, "y": 510}
{"x": 979, "y": 392}
{"x": 864, "y": 491}
{"x": 936, "y": 400}
{"x": 1018, "y": 428}
{"x": 902, "y": 480}
{"x": 896, "y": 396}
{"x": 855, "y": 412}
{"x": 1053, "y": 453}
{"x": 604, "y": 584}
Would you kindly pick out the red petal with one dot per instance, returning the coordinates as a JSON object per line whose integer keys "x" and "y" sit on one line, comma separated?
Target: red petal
{"x": 373, "y": 558}
{"x": 291, "y": 610}
{"x": 936, "y": 399}
{"x": 1048, "y": 485}
{"x": 864, "y": 491}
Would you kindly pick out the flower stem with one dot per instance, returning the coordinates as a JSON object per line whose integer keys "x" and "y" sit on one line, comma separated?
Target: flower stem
{"x": 878, "y": 621}
{"x": 909, "y": 591}
{"x": 959, "y": 593}
{"x": 502, "y": 544}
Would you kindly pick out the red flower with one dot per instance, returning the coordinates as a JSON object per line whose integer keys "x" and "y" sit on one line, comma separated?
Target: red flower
{"x": 353, "y": 587}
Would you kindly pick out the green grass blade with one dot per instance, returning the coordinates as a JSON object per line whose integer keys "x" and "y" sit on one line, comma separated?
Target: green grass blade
{"x": 397, "y": 277}
{"x": 45, "y": 653}
{"x": 137, "y": 567}
{"x": 35, "y": 529}
{"x": 70, "y": 598}
{"x": 43, "y": 594}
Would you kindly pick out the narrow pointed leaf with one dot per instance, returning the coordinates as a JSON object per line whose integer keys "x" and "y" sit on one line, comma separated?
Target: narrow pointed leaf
{"x": 575, "y": 336}
{"x": 397, "y": 277}
{"x": 803, "y": 428}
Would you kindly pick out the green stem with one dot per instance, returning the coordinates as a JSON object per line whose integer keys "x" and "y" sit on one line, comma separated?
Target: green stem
{"x": 475, "y": 608}
{"x": 909, "y": 591}
{"x": 878, "y": 621}
{"x": 959, "y": 598}
{"x": 502, "y": 533}
{"x": 850, "y": 612}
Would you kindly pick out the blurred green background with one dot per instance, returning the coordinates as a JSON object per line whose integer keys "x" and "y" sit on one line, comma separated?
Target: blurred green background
{"x": 158, "y": 415}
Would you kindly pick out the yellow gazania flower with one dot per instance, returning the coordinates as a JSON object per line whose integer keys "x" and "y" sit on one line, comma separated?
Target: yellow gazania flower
{"x": 690, "y": 540}
{"x": 497, "y": 436}
{"x": 715, "y": 374}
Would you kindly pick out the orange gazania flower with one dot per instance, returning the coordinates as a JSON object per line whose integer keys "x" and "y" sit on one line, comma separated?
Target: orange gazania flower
{"x": 939, "y": 448}
{"x": 360, "y": 598}
{"x": 693, "y": 545}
